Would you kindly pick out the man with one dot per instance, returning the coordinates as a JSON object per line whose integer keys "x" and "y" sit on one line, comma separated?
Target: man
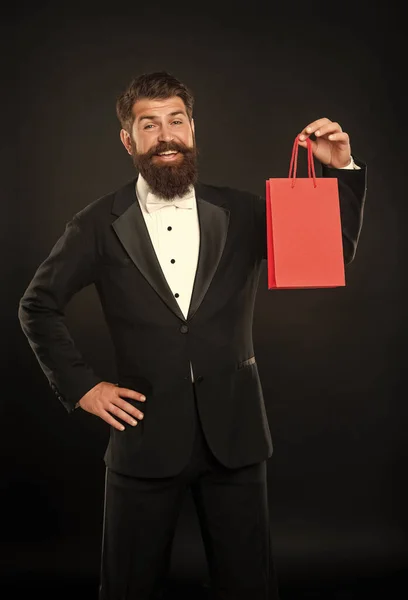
{"x": 176, "y": 266}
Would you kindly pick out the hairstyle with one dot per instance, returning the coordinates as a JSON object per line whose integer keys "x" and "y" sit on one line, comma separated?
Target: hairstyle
{"x": 158, "y": 85}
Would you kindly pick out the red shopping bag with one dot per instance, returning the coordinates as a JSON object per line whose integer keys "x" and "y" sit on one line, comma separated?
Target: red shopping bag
{"x": 304, "y": 240}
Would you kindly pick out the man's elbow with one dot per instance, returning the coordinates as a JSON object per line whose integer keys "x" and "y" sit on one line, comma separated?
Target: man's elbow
{"x": 29, "y": 310}
{"x": 23, "y": 312}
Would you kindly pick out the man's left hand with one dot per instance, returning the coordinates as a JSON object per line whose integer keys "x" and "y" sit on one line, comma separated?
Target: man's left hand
{"x": 331, "y": 145}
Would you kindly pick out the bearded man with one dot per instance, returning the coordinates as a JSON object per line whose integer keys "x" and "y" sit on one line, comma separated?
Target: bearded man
{"x": 176, "y": 264}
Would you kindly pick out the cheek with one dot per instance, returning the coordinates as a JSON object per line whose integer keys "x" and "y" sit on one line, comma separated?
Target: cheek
{"x": 143, "y": 144}
{"x": 188, "y": 139}
{"x": 143, "y": 141}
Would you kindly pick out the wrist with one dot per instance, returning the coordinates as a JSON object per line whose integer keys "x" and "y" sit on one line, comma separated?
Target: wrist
{"x": 350, "y": 165}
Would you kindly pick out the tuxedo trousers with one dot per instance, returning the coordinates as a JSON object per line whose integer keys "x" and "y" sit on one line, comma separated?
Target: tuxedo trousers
{"x": 140, "y": 519}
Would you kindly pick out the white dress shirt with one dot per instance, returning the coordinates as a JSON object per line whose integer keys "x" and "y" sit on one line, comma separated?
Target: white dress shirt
{"x": 175, "y": 235}
{"x": 352, "y": 165}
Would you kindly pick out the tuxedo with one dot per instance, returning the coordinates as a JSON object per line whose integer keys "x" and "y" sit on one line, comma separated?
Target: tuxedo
{"x": 210, "y": 433}
{"x": 107, "y": 244}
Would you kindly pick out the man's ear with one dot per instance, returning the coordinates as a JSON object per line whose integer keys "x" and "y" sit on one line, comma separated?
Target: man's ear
{"x": 126, "y": 141}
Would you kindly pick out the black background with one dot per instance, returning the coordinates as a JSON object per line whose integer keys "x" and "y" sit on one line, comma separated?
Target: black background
{"x": 331, "y": 361}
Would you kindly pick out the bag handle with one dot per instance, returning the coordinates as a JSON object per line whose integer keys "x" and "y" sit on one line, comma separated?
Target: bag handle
{"x": 310, "y": 162}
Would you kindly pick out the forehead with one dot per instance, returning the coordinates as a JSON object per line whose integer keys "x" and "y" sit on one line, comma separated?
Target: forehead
{"x": 158, "y": 108}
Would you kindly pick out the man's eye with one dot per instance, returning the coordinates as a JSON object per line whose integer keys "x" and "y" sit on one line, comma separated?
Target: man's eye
{"x": 177, "y": 122}
{"x": 148, "y": 126}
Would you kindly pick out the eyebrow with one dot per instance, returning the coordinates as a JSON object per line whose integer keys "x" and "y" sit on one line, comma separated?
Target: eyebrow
{"x": 155, "y": 117}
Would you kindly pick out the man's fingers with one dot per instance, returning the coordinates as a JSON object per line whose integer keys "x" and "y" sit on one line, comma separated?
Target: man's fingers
{"x": 314, "y": 126}
{"x": 111, "y": 421}
{"x": 126, "y": 407}
{"x": 125, "y": 415}
{"x": 319, "y": 128}
{"x": 327, "y": 129}
{"x": 130, "y": 394}
{"x": 107, "y": 406}
{"x": 339, "y": 137}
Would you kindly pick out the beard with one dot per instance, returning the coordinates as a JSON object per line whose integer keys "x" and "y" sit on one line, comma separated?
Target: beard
{"x": 167, "y": 181}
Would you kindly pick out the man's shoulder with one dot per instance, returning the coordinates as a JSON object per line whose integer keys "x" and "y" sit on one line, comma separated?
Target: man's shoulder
{"x": 102, "y": 207}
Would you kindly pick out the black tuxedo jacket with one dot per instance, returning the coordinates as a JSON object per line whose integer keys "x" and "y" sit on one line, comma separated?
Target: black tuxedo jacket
{"x": 107, "y": 244}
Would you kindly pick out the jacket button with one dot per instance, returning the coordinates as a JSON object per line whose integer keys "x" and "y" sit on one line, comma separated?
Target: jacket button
{"x": 199, "y": 379}
{"x": 184, "y": 329}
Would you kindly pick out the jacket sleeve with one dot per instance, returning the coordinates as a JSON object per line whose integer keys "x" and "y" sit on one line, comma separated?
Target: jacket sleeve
{"x": 352, "y": 193}
{"x": 70, "y": 266}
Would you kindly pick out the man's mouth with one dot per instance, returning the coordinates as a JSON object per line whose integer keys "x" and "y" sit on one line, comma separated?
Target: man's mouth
{"x": 168, "y": 155}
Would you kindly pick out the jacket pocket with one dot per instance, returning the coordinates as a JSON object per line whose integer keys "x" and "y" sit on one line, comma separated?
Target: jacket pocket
{"x": 247, "y": 362}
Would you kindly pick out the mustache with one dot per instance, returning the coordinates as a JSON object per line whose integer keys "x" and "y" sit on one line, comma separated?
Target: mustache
{"x": 166, "y": 146}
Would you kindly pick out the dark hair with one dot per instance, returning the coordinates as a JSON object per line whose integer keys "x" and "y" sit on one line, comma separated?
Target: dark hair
{"x": 159, "y": 85}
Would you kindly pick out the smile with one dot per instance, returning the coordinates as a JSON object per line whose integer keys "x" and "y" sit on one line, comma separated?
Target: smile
{"x": 168, "y": 156}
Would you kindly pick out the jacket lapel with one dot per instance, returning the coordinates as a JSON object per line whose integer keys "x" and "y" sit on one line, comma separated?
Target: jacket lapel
{"x": 213, "y": 221}
{"x": 130, "y": 227}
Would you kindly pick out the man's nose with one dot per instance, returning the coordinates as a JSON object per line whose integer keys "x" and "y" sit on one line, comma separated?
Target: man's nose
{"x": 165, "y": 134}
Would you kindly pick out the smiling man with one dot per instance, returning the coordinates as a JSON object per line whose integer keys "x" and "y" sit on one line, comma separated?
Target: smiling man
{"x": 160, "y": 139}
{"x": 176, "y": 264}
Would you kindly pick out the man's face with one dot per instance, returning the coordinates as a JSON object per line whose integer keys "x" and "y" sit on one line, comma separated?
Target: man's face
{"x": 162, "y": 145}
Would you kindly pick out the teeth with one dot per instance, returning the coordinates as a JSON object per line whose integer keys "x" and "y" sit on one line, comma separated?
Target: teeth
{"x": 168, "y": 152}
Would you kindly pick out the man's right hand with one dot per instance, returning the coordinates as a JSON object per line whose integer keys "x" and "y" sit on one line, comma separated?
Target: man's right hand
{"x": 105, "y": 400}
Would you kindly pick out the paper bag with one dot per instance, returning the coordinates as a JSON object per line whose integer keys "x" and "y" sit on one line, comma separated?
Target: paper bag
{"x": 304, "y": 239}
